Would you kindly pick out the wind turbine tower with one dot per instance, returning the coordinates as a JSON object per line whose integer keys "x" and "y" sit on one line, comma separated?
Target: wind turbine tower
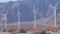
{"x": 18, "y": 19}
{"x": 18, "y": 12}
{"x": 34, "y": 11}
{"x": 54, "y": 8}
{"x": 5, "y": 21}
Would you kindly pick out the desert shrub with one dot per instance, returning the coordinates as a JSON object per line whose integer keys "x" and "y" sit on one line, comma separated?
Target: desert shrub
{"x": 22, "y": 31}
{"x": 43, "y": 32}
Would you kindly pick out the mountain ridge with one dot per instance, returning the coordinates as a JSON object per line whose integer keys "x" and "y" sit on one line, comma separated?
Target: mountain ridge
{"x": 45, "y": 14}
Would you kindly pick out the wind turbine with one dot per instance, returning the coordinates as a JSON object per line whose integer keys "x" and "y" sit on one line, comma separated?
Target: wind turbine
{"x": 16, "y": 4}
{"x": 5, "y": 21}
{"x": 18, "y": 12}
{"x": 54, "y": 8}
{"x": 5, "y": 16}
{"x": 34, "y": 11}
{"x": 35, "y": 14}
{"x": 18, "y": 17}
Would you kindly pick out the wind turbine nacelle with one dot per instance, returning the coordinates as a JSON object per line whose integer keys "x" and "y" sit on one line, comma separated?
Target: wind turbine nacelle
{"x": 50, "y": 6}
{"x": 54, "y": 7}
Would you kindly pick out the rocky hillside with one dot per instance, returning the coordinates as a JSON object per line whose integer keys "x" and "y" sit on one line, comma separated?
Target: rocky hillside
{"x": 45, "y": 14}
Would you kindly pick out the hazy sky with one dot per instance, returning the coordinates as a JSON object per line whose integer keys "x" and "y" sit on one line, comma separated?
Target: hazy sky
{"x": 6, "y": 0}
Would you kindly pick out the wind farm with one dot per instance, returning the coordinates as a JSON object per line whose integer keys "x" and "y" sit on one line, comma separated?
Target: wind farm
{"x": 30, "y": 17}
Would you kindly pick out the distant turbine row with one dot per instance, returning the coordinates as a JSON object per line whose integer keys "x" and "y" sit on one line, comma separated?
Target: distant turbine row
{"x": 35, "y": 13}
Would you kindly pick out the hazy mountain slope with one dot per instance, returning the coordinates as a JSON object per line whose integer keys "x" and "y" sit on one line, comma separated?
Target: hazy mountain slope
{"x": 45, "y": 14}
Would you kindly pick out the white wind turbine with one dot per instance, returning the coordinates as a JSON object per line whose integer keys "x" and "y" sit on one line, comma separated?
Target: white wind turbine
{"x": 16, "y": 4}
{"x": 18, "y": 12}
{"x": 5, "y": 23}
{"x": 35, "y": 15}
{"x": 18, "y": 17}
{"x": 54, "y": 8}
{"x": 34, "y": 11}
{"x": 6, "y": 19}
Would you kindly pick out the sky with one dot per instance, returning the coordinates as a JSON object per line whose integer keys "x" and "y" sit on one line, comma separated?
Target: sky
{"x": 6, "y": 0}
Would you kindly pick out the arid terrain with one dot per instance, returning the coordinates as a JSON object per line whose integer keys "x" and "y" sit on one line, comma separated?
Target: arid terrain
{"x": 30, "y": 30}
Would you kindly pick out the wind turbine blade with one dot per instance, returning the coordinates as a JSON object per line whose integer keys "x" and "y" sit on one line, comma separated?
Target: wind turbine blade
{"x": 51, "y": 6}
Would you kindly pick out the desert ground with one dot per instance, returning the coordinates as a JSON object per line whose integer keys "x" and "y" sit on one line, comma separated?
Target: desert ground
{"x": 30, "y": 31}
